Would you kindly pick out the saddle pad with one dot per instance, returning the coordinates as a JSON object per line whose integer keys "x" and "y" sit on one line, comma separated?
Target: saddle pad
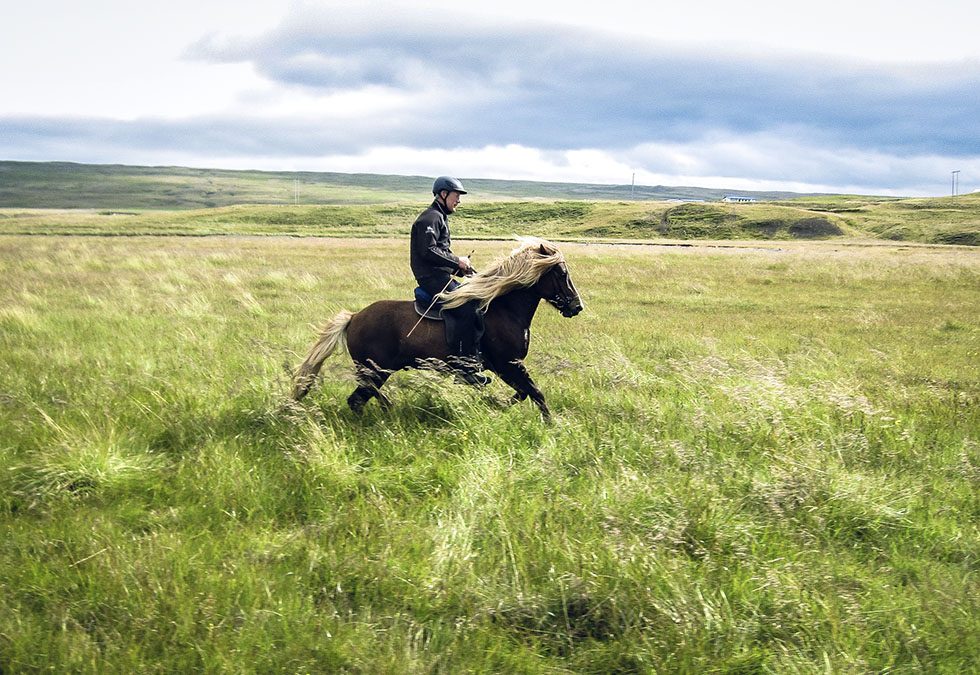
{"x": 435, "y": 313}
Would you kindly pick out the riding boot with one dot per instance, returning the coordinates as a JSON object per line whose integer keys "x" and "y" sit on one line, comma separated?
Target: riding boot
{"x": 467, "y": 361}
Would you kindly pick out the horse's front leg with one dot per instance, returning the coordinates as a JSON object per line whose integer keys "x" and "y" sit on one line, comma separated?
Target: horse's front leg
{"x": 515, "y": 374}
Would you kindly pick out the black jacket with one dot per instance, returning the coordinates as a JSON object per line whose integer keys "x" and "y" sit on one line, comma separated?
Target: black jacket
{"x": 431, "y": 255}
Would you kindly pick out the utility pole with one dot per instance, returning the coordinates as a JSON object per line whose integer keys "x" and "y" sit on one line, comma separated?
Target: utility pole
{"x": 632, "y": 185}
{"x": 955, "y": 183}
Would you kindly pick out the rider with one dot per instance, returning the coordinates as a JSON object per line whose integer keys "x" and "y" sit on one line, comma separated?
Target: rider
{"x": 434, "y": 264}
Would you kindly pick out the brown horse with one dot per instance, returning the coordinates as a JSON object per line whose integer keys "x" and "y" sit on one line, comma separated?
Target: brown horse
{"x": 381, "y": 340}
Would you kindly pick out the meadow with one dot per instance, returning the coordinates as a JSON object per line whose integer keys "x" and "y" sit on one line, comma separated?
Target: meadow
{"x": 66, "y": 198}
{"x": 764, "y": 458}
{"x": 946, "y": 221}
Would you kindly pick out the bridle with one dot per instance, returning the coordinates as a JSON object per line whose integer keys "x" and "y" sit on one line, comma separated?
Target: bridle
{"x": 559, "y": 299}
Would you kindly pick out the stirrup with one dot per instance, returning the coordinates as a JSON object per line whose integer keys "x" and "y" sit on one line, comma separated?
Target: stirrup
{"x": 467, "y": 370}
{"x": 473, "y": 378}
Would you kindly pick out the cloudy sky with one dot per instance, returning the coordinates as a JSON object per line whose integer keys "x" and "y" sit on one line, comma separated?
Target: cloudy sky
{"x": 863, "y": 96}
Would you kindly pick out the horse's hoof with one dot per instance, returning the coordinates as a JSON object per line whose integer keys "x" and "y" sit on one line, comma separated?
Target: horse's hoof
{"x": 356, "y": 404}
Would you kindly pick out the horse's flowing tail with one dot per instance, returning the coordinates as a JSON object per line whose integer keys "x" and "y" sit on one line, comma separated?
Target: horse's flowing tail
{"x": 333, "y": 334}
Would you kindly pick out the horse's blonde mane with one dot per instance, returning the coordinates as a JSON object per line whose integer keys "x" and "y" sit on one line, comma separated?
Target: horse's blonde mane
{"x": 521, "y": 269}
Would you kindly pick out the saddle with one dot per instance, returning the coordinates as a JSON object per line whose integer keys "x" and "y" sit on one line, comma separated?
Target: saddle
{"x": 424, "y": 306}
{"x": 427, "y": 309}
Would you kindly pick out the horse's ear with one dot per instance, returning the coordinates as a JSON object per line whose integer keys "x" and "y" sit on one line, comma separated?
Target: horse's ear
{"x": 542, "y": 250}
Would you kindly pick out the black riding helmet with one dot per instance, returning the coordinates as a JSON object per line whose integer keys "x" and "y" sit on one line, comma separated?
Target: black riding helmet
{"x": 449, "y": 184}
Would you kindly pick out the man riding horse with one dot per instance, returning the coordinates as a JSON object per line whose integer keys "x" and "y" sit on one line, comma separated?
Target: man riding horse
{"x": 434, "y": 264}
{"x": 388, "y": 335}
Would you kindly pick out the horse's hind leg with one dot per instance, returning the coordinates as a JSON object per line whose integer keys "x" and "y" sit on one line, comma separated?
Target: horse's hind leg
{"x": 370, "y": 379}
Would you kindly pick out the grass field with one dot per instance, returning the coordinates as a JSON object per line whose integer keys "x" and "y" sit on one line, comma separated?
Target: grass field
{"x": 65, "y": 198}
{"x": 764, "y": 459}
{"x": 938, "y": 221}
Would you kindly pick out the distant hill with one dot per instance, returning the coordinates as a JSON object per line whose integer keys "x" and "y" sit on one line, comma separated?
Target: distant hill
{"x": 111, "y": 199}
{"x": 97, "y": 186}
{"x": 946, "y": 220}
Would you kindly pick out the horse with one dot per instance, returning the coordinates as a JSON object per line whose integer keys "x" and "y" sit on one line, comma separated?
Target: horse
{"x": 388, "y": 335}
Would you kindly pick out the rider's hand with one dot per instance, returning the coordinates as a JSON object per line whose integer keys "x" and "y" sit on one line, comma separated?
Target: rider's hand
{"x": 464, "y": 264}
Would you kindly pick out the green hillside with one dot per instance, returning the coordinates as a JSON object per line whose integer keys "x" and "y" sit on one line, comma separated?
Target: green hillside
{"x": 943, "y": 220}
{"x": 59, "y": 198}
{"x": 940, "y": 221}
{"x": 68, "y": 185}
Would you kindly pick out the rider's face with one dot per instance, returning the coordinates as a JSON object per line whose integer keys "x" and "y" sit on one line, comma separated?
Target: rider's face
{"x": 452, "y": 201}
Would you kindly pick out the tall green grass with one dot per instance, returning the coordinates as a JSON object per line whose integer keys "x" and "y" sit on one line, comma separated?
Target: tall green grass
{"x": 762, "y": 461}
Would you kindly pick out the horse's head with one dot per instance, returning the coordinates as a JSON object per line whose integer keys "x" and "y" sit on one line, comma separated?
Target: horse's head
{"x": 537, "y": 265}
{"x": 556, "y": 287}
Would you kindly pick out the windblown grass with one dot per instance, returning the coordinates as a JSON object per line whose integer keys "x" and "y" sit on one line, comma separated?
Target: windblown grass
{"x": 763, "y": 460}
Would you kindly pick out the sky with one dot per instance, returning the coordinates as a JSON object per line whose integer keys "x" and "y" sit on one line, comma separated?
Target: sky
{"x": 867, "y": 97}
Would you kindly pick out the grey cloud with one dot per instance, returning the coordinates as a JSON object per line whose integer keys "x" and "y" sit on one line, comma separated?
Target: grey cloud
{"x": 208, "y": 142}
{"x": 819, "y": 121}
{"x": 559, "y": 88}
{"x": 212, "y": 136}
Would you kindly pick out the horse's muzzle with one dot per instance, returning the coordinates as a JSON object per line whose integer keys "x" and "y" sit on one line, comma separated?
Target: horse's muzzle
{"x": 571, "y": 309}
